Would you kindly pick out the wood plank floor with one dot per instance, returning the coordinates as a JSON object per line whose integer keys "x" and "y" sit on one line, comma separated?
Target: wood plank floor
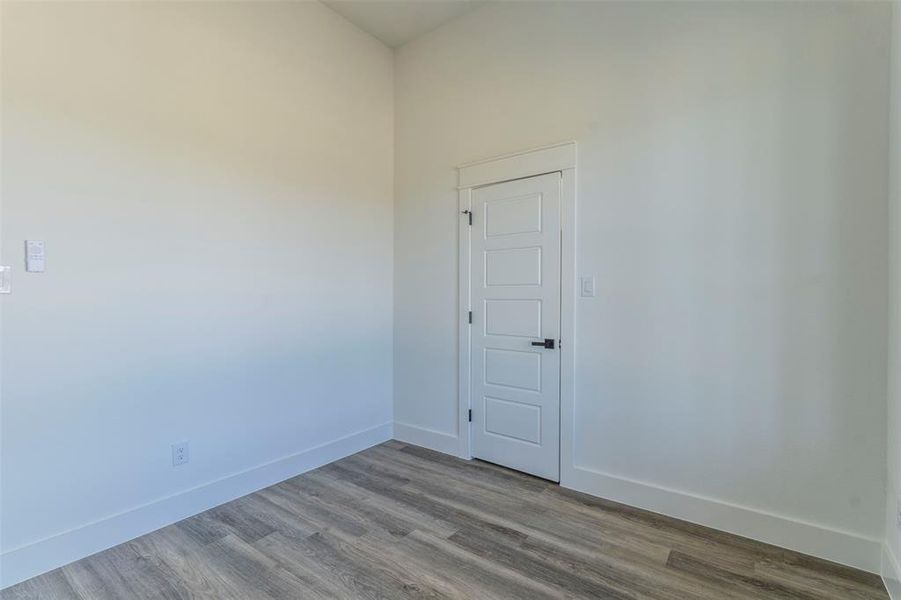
{"x": 399, "y": 521}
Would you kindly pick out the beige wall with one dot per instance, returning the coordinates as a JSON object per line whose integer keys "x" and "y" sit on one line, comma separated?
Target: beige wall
{"x": 732, "y": 207}
{"x": 214, "y": 184}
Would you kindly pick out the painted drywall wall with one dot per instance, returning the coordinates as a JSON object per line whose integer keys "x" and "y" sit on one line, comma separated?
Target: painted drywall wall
{"x": 214, "y": 183}
{"x": 732, "y": 186}
{"x": 891, "y": 564}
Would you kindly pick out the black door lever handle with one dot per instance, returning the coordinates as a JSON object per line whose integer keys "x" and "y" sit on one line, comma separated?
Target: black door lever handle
{"x": 547, "y": 343}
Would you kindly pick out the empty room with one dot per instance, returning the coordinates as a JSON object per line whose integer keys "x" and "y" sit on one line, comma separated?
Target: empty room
{"x": 467, "y": 299}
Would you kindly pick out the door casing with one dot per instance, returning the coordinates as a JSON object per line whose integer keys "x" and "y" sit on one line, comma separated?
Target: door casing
{"x": 561, "y": 158}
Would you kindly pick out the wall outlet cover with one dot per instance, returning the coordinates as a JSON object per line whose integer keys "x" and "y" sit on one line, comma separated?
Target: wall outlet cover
{"x": 180, "y": 454}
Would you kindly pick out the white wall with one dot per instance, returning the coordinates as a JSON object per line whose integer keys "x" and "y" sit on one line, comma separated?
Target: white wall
{"x": 214, "y": 182}
{"x": 732, "y": 206}
{"x": 892, "y": 558}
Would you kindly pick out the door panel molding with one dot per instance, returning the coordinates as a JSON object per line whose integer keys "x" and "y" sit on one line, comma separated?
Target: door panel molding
{"x": 560, "y": 157}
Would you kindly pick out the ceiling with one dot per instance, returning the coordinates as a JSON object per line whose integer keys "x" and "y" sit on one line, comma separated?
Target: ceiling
{"x": 396, "y": 22}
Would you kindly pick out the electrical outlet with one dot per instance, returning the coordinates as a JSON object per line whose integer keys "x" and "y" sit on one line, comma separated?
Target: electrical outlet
{"x": 180, "y": 454}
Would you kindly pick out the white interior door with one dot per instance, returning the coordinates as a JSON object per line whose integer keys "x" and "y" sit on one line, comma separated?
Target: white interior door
{"x": 515, "y": 291}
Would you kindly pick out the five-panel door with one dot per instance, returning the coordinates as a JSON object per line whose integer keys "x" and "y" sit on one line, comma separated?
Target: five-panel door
{"x": 515, "y": 291}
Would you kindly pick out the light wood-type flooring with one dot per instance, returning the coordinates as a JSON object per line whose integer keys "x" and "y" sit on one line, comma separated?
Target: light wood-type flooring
{"x": 399, "y": 521}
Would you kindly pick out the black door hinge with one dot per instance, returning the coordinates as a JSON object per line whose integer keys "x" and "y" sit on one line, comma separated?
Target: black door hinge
{"x": 470, "y": 415}
{"x": 470, "y": 317}
{"x": 468, "y": 213}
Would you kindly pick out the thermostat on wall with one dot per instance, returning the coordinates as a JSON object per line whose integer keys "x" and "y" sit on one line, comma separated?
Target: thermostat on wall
{"x": 35, "y": 260}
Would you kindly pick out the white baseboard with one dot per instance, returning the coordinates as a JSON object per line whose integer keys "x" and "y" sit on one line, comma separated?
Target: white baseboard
{"x": 891, "y": 573}
{"x": 427, "y": 438}
{"x": 28, "y": 561}
{"x": 816, "y": 540}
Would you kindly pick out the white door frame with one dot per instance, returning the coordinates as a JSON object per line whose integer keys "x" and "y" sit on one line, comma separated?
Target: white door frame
{"x": 537, "y": 161}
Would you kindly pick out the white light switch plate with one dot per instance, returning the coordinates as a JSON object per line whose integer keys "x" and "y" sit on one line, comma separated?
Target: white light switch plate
{"x": 4, "y": 279}
{"x": 35, "y": 259}
{"x": 587, "y": 287}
